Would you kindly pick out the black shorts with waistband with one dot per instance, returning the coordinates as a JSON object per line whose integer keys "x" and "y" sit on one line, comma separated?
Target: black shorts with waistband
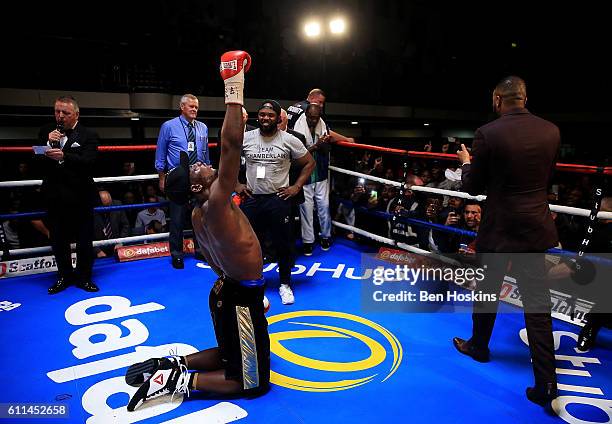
{"x": 241, "y": 330}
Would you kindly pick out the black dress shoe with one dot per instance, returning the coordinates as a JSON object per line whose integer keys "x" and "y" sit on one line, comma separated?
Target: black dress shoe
{"x": 199, "y": 257}
{"x": 177, "y": 262}
{"x": 586, "y": 339}
{"x": 467, "y": 348}
{"x": 542, "y": 394}
{"x": 60, "y": 285}
{"x": 89, "y": 286}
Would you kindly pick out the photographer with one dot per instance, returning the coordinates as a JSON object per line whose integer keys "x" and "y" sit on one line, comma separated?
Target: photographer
{"x": 468, "y": 219}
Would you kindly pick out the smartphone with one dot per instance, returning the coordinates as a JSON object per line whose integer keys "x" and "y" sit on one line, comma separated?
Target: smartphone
{"x": 374, "y": 194}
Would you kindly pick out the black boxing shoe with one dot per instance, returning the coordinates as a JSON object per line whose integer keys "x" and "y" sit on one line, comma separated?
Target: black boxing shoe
{"x": 467, "y": 348}
{"x": 60, "y": 285}
{"x": 542, "y": 394}
{"x": 168, "y": 378}
{"x": 88, "y": 286}
{"x": 140, "y": 372}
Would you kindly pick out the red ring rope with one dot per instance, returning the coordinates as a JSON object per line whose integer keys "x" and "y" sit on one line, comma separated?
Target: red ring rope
{"x": 566, "y": 167}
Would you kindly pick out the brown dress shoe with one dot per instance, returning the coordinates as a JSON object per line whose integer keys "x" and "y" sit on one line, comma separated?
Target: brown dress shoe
{"x": 467, "y": 348}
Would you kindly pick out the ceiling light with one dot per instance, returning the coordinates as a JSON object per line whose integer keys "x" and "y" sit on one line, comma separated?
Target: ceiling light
{"x": 312, "y": 29}
{"x": 337, "y": 26}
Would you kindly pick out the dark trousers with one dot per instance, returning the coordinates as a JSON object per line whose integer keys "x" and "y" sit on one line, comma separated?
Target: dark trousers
{"x": 598, "y": 319}
{"x": 270, "y": 212}
{"x": 529, "y": 271}
{"x": 67, "y": 224}
{"x": 180, "y": 217}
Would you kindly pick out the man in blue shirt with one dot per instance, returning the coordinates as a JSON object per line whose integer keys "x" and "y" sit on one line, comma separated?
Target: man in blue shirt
{"x": 186, "y": 134}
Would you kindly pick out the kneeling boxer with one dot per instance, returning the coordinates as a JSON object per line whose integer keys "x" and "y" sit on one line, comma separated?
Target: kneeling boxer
{"x": 241, "y": 362}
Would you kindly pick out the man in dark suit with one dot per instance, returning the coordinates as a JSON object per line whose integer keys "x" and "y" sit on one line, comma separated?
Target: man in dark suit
{"x": 69, "y": 192}
{"x": 513, "y": 159}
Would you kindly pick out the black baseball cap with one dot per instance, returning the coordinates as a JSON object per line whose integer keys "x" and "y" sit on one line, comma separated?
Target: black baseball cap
{"x": 271, "y": 104}
{"x": 177, "y": 187}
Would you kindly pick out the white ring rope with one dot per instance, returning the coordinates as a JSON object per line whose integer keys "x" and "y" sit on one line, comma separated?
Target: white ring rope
{"x": 31, "y": 183}
{"x": 392, "y": 242}
{"x": 45, "y": 249}
{"x": 555, "y": 208}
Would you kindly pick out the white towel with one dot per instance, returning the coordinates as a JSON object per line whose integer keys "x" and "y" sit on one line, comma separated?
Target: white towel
{"x": 301, "y": 126}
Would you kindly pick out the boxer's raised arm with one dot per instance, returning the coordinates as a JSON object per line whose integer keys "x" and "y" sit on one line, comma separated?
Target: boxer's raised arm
{"x": 233, "y": 66}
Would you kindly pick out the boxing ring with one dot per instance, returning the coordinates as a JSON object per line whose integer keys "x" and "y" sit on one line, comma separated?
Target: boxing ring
{"x": 334, "y": 357}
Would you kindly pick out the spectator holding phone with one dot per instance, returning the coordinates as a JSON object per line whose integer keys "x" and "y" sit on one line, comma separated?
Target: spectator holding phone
{"x": 468, "y": 219}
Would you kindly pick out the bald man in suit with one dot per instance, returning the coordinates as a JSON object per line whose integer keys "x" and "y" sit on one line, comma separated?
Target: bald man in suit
{"x": 513, "y": 160}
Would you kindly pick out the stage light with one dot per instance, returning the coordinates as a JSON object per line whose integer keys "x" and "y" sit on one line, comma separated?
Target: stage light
{"x": 426, "y": 124}
{"x": 312, "y": 29}
{"x": 337, "y": 26}
{"x": 354, "y": 123}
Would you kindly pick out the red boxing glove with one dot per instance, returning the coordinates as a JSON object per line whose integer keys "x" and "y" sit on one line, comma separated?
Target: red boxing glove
{"x": 237, "y": 199}
{"x": 233, "y": 66}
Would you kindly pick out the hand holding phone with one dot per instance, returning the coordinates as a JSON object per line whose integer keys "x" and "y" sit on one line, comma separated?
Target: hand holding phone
{"x": 452, "y": 218}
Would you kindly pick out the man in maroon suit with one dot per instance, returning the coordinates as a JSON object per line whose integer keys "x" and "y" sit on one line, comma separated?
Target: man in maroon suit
{"x": 513, "y": 159}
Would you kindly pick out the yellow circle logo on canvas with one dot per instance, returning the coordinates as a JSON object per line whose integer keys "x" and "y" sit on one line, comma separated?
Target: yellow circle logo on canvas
{"x": 380, "y": 346}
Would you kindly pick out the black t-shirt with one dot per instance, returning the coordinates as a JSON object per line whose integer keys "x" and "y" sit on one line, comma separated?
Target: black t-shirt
{"x": 296, "y": 110}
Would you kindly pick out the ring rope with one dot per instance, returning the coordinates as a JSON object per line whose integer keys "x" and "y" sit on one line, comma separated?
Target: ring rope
{"x": 30, "y": 183}
{"x": 392, "y": 242}
{"x": 568, "y": 167}
{"x": 131, "y": 239}
{"x": 555, "y": 208}
{"x": 98, "y": 209}
{"x": 447, "y": 229}
{"x": 130, "y": 148}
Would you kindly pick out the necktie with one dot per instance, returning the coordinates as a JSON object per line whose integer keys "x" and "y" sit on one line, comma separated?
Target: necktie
{"x": 108, "y": 229}
{"x": 193, "y": 154}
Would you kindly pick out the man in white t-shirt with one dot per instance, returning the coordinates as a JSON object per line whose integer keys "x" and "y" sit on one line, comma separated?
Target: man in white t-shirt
{"x": 268, "y": 153}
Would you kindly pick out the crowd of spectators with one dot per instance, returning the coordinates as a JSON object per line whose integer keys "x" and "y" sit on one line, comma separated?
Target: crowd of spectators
{"x": 109, "y": 224}
{"x": 350, "y": 201}
{"x": 355, "y": 200}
